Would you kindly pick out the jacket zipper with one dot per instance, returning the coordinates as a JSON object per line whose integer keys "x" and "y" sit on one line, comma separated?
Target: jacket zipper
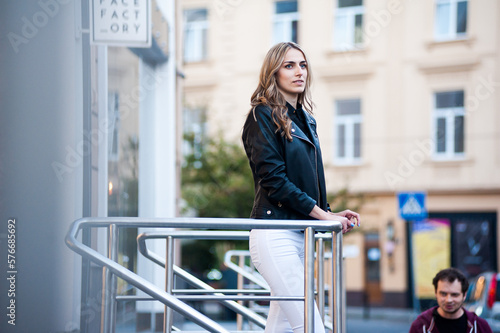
{"x": 315, "y": 163}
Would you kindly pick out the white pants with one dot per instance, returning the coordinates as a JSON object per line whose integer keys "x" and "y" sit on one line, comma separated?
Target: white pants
{"x": 278, "y": 255}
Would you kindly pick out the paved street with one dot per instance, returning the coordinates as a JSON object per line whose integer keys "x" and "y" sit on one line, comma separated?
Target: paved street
{"x": 376, "y": 320}
{"x": 377, "y": 326}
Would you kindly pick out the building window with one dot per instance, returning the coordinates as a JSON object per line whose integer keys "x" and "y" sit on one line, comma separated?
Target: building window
{"x": 448, "y": 122}
{"x": 285, "y": 21}
{"x": 348, "y": 29}
{"x": 195, "y": 35}
{"x": 194, "y": 122}
{"x": 451, "y": 19}
{"x": 114, "y": 125}
{"x": 348, "y": 131}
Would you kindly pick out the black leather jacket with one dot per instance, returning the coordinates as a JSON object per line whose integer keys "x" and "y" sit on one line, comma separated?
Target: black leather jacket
{"x": 288, "y": 176}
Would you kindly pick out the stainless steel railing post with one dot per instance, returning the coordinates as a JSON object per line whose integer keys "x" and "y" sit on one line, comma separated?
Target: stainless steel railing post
{"x": 108, "y": 313}
{"x": 239, "y": 317}
{"x": 309, "y": 281}
{"x": 169, "y": 284}
{"x": 320, "y": 259}
{"x": 339, "y": 295}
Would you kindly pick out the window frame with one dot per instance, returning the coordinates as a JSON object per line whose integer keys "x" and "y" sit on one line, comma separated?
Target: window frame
{"x": 451, "y": 33}
{"x": 286, "y": 21}
{"x": 198, "y": 29}
{"x": 349, "y": 122}
{"x": 194, "y": 123}
{"x": 114, "y": 130}
{"x": 449, "y": 114}
{"x": 349, "y": 13}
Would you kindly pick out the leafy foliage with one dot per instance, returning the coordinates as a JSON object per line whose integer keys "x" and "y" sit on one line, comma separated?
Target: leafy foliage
{"x": 217, "y": 181}
{"x": 344, "y": 199}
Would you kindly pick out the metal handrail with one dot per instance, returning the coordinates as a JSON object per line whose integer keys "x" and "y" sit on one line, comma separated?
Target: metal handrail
{"x": 309, "y": 226}
{"x": 257, "y": 279}
{"x": 222, "y": 293}
{"x": 320, "y": 289}
{"x": 239, "y": 235}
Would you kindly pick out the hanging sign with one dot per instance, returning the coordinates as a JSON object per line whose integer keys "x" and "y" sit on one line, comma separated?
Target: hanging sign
{"x": 120, "y": 22}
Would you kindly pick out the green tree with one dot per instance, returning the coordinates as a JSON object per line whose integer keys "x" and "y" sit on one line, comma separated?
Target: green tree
{"x": 216, "y": 182}
{"x": 344, "y": 199}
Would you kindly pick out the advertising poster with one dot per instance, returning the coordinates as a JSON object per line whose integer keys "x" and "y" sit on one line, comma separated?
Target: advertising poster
{"x": 431, "y": 253}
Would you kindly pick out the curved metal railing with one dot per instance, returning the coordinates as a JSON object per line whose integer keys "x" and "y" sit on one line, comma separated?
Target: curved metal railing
{"x": 172, "y": 302}
{"x": 219, "y": 295}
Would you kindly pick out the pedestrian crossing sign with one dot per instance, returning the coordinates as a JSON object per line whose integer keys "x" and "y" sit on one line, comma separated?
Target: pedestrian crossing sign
{"x": 412, "y": 205}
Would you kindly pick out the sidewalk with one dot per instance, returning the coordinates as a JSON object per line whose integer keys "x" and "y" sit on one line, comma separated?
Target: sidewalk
{"x": 352, "y": 313}
{"x": 400, "y": 314}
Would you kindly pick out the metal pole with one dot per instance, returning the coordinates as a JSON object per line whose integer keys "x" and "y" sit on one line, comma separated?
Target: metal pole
{"x": 251, "y": 304}
{"x": 416, "y": 302}
{"x": 320, "y": 259}
{"x": 309, "y": 281}
{"x": 169, "y": 284}
{"x": 239, "y": 317}
{"x": 337, "y": 284}
{"x": 108, "y": 319}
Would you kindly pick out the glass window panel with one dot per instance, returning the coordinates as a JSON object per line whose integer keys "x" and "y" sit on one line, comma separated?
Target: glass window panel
{"x": 195, "y": 35}
{"x": 462, "y": 17}
{"x": 358, "y": 29}
{"x": 441, "y": 135}
{"x": 357, "y": 140}
{"x": 194, "y": 45}
{"x": 348, "y": 107}
{"x": 114, "y": 123}
{"x": 459, "y": 134}
{"x": 196, "y": 15}
{"x": 294, "y": 32}
{"x": 341, "y": 38}
{"x": 278, "y": 31}
{"x": 341, "y": 140}
{"x": 123, "y": 80}
{"x": 286, "y": 7}
{"x": 449, "y": 99}
{"x": 442, "y": 19}
{"x": 350, "y": 3}
{"x": 194, "y": 129}
{"x": 114, "y": 146}
{"x": 203, "y": 44}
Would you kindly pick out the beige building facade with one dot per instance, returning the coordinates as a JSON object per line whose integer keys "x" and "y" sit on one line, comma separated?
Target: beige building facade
{"x": 407, "y": 97}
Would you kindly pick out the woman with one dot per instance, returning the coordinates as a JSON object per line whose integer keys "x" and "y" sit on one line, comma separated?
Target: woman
{"x": 282, "y": 146}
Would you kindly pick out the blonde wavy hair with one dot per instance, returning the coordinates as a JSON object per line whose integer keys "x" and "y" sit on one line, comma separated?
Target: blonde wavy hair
{"x": 267, "y": 92}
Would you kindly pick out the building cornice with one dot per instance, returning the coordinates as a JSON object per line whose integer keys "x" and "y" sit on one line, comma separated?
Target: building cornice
{"x": 437, "y": 66}
{"x": 433, "y": 192}
{"x": 357, "y": 73}
{"x": 452, "y": 42}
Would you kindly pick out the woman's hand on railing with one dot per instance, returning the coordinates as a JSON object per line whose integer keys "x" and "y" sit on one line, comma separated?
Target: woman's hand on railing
{"x": 347, "y": 218}
{"x": 353, "y": 217}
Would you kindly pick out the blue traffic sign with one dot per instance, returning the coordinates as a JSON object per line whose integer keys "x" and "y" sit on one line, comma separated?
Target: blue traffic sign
{"x": 412, "y": 205}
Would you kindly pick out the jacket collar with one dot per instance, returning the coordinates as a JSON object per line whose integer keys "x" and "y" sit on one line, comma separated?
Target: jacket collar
{"x": 311, "y": 124}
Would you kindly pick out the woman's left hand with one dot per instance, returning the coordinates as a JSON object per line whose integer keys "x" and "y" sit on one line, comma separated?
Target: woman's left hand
{"x": 353, "y": 217}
